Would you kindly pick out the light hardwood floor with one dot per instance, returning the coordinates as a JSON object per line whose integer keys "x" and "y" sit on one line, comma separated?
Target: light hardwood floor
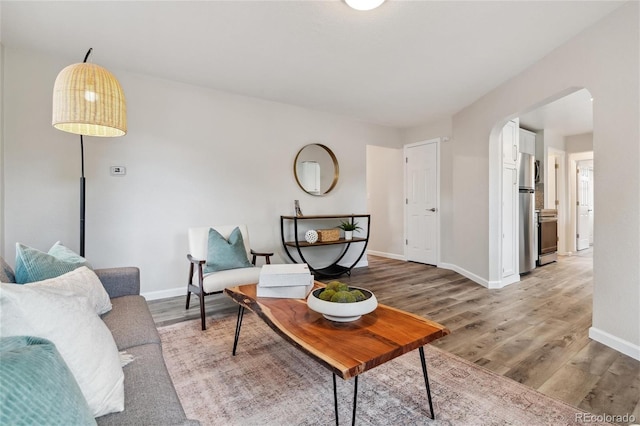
{"x": 534, "y": 331}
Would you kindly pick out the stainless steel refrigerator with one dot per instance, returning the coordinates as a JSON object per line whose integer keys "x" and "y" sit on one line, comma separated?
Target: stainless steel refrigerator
{"x": 526, "y": 201}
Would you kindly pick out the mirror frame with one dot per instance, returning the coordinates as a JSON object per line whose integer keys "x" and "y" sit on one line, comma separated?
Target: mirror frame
{"x": 336, "y": 168}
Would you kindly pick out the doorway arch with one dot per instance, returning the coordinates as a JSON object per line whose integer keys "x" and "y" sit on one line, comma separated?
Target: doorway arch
{"x": 496, "y": 179}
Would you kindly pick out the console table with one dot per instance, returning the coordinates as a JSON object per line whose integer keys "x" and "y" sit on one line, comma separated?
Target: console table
{"x": 334, "y": 269}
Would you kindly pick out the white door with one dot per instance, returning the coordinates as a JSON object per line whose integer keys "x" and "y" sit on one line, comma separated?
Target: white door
{"x": 421, "y": 176}
{"x": 584, "y": 206}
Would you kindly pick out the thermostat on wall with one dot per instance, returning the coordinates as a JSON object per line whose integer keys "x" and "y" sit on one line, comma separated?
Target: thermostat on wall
{"x": 118, "y": 170}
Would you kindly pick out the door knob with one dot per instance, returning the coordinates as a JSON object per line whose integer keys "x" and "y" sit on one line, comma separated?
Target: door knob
{"x": 432, "y": 209}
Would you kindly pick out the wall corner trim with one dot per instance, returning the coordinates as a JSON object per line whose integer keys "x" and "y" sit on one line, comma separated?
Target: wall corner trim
{"x": 614, "y": 342}
{"x": 479, "y": 280}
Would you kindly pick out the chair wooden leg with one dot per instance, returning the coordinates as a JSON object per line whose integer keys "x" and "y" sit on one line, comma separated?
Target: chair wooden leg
{"x": 189, "y": 281}
{"x": 202, "y": 317}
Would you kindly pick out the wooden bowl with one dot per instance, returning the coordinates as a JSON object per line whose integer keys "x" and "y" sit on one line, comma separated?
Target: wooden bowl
{"x": 342, "y": 312}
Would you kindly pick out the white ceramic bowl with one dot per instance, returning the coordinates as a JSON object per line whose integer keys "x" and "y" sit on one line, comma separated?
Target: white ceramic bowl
{"x": 342, "y": 312}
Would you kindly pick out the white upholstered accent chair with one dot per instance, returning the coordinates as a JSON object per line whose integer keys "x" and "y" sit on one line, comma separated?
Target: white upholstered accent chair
{"x": 216, "y": 282}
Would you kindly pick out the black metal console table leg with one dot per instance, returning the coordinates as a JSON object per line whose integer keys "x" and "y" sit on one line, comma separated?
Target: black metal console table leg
{"x": 355, "y": 399}
{"x": 238, "y": 325}
{"x": 426, "y": 381}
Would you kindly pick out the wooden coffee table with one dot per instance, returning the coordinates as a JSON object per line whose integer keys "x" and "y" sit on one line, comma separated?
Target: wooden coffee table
{"x": 347, "y": 349}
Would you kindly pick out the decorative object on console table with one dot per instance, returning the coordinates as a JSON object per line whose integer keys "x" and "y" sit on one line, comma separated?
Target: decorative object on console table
{"x": 296, "y": 204}
{"x": 311, "y": 236}
{"x": 88, "y": 100}
{"x": 349, "y": 228}
{"x": 328, "y": 235}
{"x": 285, "y": 281}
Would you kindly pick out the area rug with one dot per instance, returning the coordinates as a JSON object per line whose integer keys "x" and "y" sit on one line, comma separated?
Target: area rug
{"x": 269, "y": 382}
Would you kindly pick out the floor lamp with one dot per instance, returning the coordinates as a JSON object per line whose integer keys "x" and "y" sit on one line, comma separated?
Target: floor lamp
{"x": 88, "y": 101}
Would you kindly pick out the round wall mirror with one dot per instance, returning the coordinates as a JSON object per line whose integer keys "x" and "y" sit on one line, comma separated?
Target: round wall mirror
{"x": 316, "y": 169}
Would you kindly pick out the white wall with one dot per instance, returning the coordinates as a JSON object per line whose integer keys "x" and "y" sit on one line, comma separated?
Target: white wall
{"x": 605, "y": 60}
{"x": 579, "y": 143}
{"x": 194, "y": 157}
{"x": 2, "y": 239}
{"x": 385, "y": 180}
{"x": 434, "y": 129}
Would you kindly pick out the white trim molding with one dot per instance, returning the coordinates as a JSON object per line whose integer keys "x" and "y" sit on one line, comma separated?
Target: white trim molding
{"x": 614, "y": 342}
{"x": 478, "y": 279}
{"x": 165, "y": 294}
{"x": 387, "y": 255}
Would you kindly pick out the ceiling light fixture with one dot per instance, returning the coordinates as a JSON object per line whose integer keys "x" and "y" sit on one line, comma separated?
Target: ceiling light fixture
{"x": 364, "y": 4}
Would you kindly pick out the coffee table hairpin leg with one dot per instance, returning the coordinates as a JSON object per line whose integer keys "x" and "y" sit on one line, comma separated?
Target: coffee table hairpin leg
{"x": 355, "y": 391}
{"x": 355, "y": 398}
{"x": 426, "y": 381}
{"x": 238, "y": 325}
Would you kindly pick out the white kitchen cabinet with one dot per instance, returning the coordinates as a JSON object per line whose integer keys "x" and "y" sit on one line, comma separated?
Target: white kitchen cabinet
{"x": 509, "y": 220}
{"x": 527, "y": 142}
{"x": 509, "y": 137}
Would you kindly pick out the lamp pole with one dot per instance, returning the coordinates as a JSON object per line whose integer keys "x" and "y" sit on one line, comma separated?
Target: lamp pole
{"x": 82, "y": 181}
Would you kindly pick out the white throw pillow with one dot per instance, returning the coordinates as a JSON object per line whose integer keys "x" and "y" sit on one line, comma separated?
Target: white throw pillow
{"x": 82, "y": 282}
{"x": 81, "y": 337}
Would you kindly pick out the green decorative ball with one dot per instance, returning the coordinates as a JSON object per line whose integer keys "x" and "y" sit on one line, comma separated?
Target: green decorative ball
{"x": 359, "y": 296}
{"x": 343, "y": 297}
{"x": 327, "y": 294}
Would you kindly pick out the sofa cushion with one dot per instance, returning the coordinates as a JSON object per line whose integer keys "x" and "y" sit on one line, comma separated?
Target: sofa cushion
{"x": 6, "y": 273}
{"x": 83, "y": 340}
{"x": 223, "y": 254}
{"x": 35, "y": 265}
{"x": 119, "y": 282}
{"x": 36, "y": 386}
{"x": 130, "y": 322}
{"x": 82, "y": 282}
{"x": 150, "y": 398}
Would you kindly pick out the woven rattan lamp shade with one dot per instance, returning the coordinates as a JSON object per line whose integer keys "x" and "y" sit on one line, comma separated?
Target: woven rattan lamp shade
{"x": 88, "y": 100}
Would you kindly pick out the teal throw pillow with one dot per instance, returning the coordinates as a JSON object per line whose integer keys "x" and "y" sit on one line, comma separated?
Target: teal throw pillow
{"x": 61, "y": 252}
{"x": 34, "y": 265}
{"x": 37, "y": 387}
{"x": 223, "y": 254}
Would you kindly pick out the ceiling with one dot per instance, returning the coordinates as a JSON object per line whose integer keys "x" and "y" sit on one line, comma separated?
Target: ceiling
{"x": 403, "y": 64}
{"x": 570, "y": 115}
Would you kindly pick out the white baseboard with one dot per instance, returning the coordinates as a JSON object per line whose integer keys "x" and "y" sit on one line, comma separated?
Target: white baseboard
{"x": 465, "y": 273}
{"x": 614, "y": 342}
{"x": 387, "y": 255}
{"x": 165, "y": 294}
{"x": 478, "y": 279}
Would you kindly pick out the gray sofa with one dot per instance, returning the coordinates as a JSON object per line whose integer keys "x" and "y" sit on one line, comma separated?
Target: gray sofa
{"x": 150, "y": 397}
